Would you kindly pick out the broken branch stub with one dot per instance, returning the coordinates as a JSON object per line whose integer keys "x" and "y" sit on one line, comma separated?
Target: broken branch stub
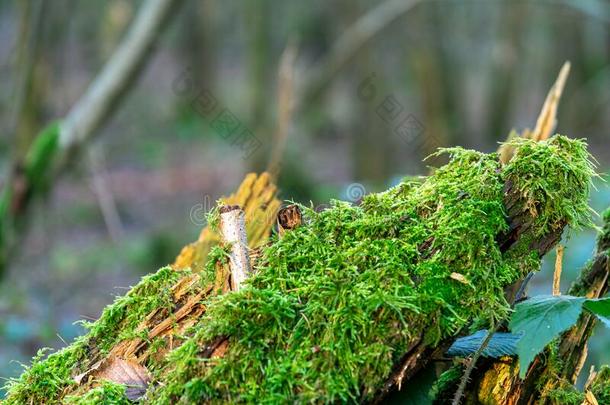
{"x": 289, "y": 218}
{"x": 233, "y": 231}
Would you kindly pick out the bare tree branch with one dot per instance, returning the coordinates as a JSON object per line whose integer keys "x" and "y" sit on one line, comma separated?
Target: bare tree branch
{"x": 49, "y": 153}
{"x": 117, "y": 76}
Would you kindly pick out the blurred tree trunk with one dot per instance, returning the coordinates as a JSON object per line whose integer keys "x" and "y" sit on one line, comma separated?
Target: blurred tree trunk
{"x": 436, "y": 81}
{"x": 371, "y": 131}
{"x": 502, "y": 79}
{"x": 259, "y": 72}
{"x": 58, "y": 144}
{"x": 196, "y": 44}
{"x": 32, "y": 68}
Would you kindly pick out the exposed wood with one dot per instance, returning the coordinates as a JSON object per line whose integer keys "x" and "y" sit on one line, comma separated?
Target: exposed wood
{"x": 233, "y": 230}
{"x": 547, "y": 119}
{"x": 258, "y": 195}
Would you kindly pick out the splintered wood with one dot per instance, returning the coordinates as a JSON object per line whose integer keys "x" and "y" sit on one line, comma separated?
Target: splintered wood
{"x": 547, "y": 119}
{"x": 257, "y": 197}
{"x": 233, "y": 230}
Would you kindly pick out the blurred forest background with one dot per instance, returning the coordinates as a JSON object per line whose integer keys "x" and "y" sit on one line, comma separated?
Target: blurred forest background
{"x": 439, "y": 73}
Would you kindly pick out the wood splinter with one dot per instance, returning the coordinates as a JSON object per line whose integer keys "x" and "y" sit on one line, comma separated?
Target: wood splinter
{"x": 233, "y": 231}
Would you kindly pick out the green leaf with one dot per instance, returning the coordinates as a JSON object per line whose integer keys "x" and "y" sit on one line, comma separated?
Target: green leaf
{"x": 600, "y": 308}
{"x": 541, "y": 319}
{"x": 500, "y": 344}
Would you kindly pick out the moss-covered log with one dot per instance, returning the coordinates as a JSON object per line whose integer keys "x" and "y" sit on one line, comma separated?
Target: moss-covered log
{"x": 553, "y": 374}
{"x": 345, "y": 306}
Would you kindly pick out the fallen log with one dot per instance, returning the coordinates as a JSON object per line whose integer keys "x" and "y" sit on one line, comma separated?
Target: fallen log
{"x": 351, "y": 303}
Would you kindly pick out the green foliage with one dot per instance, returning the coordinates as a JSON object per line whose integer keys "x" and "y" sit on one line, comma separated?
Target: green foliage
{"x": 601, "y": 309}
{"x": 567, "y": 394}
{"x": 446, "y": 384}
{"x": 601, "y": 386}
{"x": 500, "y": 344}
{"x": 541, "y": 319}
{"x": 108, "y": 393}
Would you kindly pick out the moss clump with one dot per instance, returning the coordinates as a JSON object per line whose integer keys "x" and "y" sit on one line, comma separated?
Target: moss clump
{"x": 338, "y": 301}
{"x": 567, "y": 394}
{"x": 444, "y": 387}
{"x": 46, "y": 380}
{"x": 108, "y": 393}
{"x": 555, "y": 178}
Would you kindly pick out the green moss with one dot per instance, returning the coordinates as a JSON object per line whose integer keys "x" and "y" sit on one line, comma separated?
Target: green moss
{"x": 601, "y": 385}
{"x": 339, "y": 300}
{"x": 444, "y": 387}
{"x": 335, "y": 303}
{"x": 108, "y": 393}
{"x": 46, "y": 379}
{"x": 567, "y": 395}
{"x": 554, "y": 180}
{"x": 213, "y": 217}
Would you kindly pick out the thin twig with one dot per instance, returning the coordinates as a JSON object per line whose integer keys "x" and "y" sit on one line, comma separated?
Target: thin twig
{"x": 557, "y": 273}
{"x": 473, "y": 361}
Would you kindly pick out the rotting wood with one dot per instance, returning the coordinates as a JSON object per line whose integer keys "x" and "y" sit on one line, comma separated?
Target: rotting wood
{"x": 288, "y": 218}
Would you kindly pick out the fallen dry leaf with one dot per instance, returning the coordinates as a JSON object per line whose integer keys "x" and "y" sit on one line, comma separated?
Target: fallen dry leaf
{"x": 127, "y": 372}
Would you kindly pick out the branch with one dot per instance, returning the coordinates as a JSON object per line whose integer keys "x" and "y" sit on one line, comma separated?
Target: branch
{"x": 117, "y": 76}
{"x": 52, "y": 150}
{"x": 233, "y": 230}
